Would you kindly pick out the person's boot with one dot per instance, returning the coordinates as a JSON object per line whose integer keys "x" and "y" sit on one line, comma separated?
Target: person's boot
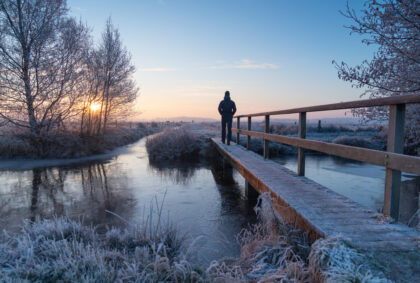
{"x": 223, "y": 141}
{"x": 228, "y": 142}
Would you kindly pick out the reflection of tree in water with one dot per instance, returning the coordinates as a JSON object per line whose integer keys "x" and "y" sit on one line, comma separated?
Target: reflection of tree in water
{"x": 47, "y": 189}
{"x": 82, "y": 191}
{"x": 104, "y": 189}
{"x": 179, "y": 172}
{"x": 95, "y": 185}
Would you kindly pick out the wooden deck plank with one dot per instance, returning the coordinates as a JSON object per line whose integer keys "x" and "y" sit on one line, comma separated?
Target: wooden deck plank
{"x": 313, "y": 206}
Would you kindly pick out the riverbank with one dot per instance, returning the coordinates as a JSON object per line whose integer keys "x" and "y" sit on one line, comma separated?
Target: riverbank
{"x": 65, "y": 145}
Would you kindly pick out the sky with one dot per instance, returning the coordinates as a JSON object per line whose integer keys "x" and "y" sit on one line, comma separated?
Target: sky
{"x": 270, "y": 55}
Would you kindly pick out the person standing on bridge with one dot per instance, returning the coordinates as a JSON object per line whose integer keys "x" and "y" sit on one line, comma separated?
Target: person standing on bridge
{"x": 227, "y": 109}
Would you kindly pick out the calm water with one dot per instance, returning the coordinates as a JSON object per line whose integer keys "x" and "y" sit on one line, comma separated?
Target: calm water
{"x": 361, "y": 182}
{"x": 206, "y": 202}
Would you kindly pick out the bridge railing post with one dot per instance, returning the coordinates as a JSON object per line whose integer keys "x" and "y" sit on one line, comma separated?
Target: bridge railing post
{"x": 248, "y": 139}
{"x": 395, "y": 144}
{"x": 301, "y": 151}
{"x": 238, "y": 126}
{"x": 266, "y": 130}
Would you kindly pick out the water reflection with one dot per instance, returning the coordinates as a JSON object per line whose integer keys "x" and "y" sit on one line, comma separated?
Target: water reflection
{"x": 36, "y": 182}
{"x": 234, "y": 196}
{"x": 47, "y": 185}
{"x": 197, "y": 200}
{"x": 95, "y": 185}
{"x": 177, "y": 172}
{"x": 83, "y": 192}
{"x": 104, "y": 188}
{"x": 222, "y": 173}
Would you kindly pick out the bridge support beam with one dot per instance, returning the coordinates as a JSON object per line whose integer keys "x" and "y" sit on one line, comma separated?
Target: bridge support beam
{"x": 250, "y": 192}
{"x": 266, "y": 130}
{"x": 248, "y": 139}
{"x": 301, "y": 151}
{"x": 395, "y": 144}
{"x": 238, "y": 126}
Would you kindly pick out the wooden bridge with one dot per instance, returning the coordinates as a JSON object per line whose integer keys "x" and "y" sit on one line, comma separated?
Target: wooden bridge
{"x": 318, "y": 209}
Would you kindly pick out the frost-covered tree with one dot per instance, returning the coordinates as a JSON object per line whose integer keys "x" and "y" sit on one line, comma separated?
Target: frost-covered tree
{"x": 112, "y": 84}
{"x": 41, "y": 54}
{"x": 394, "y": 27}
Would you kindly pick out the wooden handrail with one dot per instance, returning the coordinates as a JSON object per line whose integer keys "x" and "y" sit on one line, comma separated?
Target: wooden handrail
{"x": 402, "y": 99}
{"x": 392, "y": 159}
{"x": 401, "y": 162}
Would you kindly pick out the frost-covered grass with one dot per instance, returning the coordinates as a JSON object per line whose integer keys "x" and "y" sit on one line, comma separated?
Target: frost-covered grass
{"x": 331, "y": 260}
{"x": 292, "y": 129}
{"x": 271, "y": 250}
{"x": 68, "y": 144}
{"x": 355, "y": 141}
{"x": 64, "y": 250}
{"x": 67, "y": 251}
{"x": 153, "y": 251}
{"x": 276, "y": 149}
{"x": 181, "y": 143}
{"x": 12, "y": 146}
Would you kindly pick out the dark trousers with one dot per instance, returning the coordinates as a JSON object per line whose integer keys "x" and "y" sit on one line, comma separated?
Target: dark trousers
{"x": 226, "y": 122}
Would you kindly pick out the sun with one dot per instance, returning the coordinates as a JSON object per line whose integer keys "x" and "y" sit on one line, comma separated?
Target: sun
{"x": 95, "y": 106}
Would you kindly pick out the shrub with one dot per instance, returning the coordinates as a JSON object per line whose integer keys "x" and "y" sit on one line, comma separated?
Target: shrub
{"x": 284, "y": 129}
{"x": 172, "y": 144}
{"x": 276, "y": 149}
{"x": 354, "y": 141}
{"x": 11, "y": 146}
{"x": 141, "y": 125}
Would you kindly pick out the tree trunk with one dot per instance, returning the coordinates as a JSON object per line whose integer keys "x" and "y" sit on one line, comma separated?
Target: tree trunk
{"x": 28, "y": 95}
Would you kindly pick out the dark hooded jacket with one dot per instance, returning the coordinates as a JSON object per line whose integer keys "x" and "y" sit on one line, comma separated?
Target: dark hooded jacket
{"x": 227, "y": 108}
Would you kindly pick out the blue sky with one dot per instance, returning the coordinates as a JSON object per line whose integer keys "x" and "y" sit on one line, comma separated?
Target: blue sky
{"x": 270, "y": 54}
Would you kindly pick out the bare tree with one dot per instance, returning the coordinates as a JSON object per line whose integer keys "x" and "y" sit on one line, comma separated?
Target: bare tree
{"x": 112, "y": 85}
{"x": 41, "y": 55}
{"x": 394, "y": 27}
{"x": 90, "y": 102}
